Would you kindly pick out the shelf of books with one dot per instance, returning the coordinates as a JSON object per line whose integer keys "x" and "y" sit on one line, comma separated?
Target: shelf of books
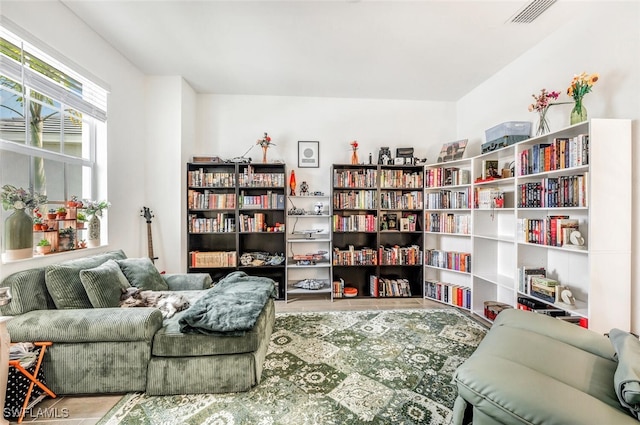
{"x": 548, "y": 226}
{"x": 377, "y": 230}
{"x": 448, "y": 228}
{"x": 235, "y": 219}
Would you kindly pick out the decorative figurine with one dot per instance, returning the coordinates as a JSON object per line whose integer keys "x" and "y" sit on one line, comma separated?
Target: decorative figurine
{"x": 304, "y": 189}
{"x": 319, "y": 208}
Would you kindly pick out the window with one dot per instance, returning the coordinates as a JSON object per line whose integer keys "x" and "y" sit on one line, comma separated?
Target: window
{"x": 51, "y": 121}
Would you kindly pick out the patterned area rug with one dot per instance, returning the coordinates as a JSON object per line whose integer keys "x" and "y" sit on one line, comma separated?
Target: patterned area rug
{"x": 356, "y": 367}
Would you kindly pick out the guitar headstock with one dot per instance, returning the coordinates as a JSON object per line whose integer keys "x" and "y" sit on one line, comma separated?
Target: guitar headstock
{"x": 146, "y": 213}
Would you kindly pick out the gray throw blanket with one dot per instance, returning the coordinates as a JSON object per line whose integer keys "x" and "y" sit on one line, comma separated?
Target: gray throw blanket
{"x": 229, "y": 308}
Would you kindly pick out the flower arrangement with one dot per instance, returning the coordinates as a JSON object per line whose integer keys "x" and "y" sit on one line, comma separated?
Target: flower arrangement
{"x": 354, "y": 152}
{"x": 265, "y": 142}
{"x": 20, "y": 199}
{"x": 95, "y": 207}
{"x": 541, "y": 106}
{"x": 580, "y": 86}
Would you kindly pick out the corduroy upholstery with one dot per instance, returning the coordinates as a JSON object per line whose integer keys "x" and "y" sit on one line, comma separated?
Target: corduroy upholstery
{"x": 117, "y": 350}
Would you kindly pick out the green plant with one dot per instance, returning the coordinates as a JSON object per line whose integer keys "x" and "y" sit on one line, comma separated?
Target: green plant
{"x": 95, "y": 207}
{"x": 61, "y": 210}
{"x": 81, "y": 217}
{"x": 68, "y": 231}
{"x": 44, "y": 242}
{"x": 19, "y": 198}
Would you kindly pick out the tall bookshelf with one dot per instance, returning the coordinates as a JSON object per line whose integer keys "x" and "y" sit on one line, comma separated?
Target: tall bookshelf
{"x": 236, "y": 220}
{"x": 377, "y": 229}
{"x": 448, "y": 228}
{"x": 577, "y": 178}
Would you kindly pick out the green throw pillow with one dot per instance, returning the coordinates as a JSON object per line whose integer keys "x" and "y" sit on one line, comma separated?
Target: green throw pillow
{"x": 627, "y": 376}
{"x": 64, "y": 286}
{"x": 104, "y": 284}
{"x": 142, "y": 274}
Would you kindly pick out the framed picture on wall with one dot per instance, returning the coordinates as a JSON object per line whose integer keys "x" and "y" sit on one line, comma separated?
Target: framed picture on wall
{"x": 308, "y": 154}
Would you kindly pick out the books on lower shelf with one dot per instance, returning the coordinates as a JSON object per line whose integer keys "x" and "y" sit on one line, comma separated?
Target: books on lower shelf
{"x": 445, "y": 199}
{"x": 397, "y": 255}
{"x": 554, "y": 192}
{"x": 354, "y": 223}
{"x": 459, "y": 261}
{"x": 221, "y": 223}
{"x": 355, "y": 257}
{"x": 208, "y": 200}
{"x": 355, "y": 199}
{"x": 213, "y": 259}
{"x": 380, "y": 287}
{"x": 269, "y": 200}
{"x": 444, "y": 222}
{"x": 448, "y": 293}
{"x": 401, "y": 200}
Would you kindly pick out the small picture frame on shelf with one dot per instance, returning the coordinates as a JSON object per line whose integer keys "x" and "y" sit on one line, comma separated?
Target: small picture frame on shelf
{"x": 452, "y": 150}
{"x": 308, "y": 154}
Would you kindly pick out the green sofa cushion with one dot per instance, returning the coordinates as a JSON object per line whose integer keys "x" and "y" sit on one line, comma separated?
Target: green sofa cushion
{"x": 29, "y": 292}
{"x": 170, "y": 342}
{"x": 104, "y": 284}
{"x": 86, "y": 325}
{"x": 142, "y": 274}
{"x": 64, "y": 284}
{"x": 627, "y": 377}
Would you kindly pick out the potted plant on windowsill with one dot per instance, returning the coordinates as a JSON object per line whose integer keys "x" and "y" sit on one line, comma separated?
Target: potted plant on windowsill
{"x": 51, "y": 215}
{"x": 61, "y": 213}
{"x": 81, "y": 220}
{"x": 43, "y": 247}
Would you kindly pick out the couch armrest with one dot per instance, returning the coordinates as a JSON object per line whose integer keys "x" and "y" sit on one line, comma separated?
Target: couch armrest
{"x": 187, "y": 281}
{"x": 86, "y": 325}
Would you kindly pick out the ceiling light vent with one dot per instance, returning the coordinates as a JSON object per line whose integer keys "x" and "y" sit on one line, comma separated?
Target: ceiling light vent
{"x": 531, "y": 11}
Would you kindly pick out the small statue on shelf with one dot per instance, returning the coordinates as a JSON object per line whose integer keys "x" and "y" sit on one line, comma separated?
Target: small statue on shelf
{"x": 304, "y": 189}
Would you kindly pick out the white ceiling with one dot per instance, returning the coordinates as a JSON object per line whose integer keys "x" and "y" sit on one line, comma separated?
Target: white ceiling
{"x": 423, "y": 50}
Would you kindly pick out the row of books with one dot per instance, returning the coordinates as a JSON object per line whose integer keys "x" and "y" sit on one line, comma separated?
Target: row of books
{"x": 553, "y": 230}
{"x": 447, "y": 176}
{"x": 401, "y": 200}
{"x": 356, "y": 199}
{"x": 454, "y": 199}
{"x": 407, "y": 223}
{"x": 380, "y": 287}
{"x": 528, "y": 304}
{"x": 561, "y": 153}
{"x": 355, "y": 178}
{"x": 257, "y": 223}
{"x": 354, "y": 223}
{"x": 213, "y": 259}
{"x": 200, "y": 178}
{"x": 452, "y": 260}
{"x": 355, "y": 257}
{"x": 268, "y": 200}
{"x": 206, "y": 200}
{"x": 401, "y": 179}
{"x": 448, "y": 223}
{"x": 222, "y": 222}
{"x": 397, "y": 255}
{"x": 448, "y": 293}
{"x": 252, "y": 179}
{"x": 552, "y": 192}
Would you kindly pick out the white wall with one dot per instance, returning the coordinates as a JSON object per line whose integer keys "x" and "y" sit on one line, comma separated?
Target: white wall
{"x": 52, "y": 22}
{"x": 606, "y": 41}
{"x": 228, "y": 125}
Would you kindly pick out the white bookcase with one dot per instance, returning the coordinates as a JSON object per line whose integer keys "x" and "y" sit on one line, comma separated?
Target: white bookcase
{"x": 308, "y": 233}
{"x": 598, "y": 274}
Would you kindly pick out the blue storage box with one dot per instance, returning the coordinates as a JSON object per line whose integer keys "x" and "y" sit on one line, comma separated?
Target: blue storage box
{"x": 509, "y": 128}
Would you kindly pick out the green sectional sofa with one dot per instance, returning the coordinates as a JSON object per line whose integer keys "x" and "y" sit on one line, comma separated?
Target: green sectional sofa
{"x": 535, "y": 369}
{"x": 101, "y": 348}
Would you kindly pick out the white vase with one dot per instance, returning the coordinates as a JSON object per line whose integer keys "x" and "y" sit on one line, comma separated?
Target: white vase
{"x": 94, "y": 232}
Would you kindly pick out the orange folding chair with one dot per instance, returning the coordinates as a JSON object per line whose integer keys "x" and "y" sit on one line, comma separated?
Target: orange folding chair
{"x": 33, "y": 379}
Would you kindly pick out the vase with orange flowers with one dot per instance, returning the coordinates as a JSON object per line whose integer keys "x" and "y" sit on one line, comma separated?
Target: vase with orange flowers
{"x": 580, "y": 85}
{"x": 354, "y": 152}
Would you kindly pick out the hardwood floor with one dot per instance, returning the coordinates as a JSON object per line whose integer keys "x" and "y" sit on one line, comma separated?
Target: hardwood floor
{"x": 87, "y": 410}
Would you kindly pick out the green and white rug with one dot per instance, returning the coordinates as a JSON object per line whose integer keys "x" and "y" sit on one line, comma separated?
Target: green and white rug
{"x": 355, "y": 367}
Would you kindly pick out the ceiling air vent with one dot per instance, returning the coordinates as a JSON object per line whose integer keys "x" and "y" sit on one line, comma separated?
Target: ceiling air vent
{"x": 531, "y": 11}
